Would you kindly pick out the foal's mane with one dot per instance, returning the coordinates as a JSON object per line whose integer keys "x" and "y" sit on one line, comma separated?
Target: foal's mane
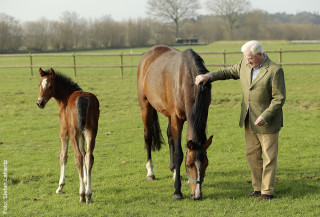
{"x": 67, "y": 82}
{"x": 199, "y": 111}
{"x": 64, "y": 80}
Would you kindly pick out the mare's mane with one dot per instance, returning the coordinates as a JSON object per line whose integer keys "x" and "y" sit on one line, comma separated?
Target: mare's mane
{"x": 199, "y": 111}
{"x": 195, "y": 62}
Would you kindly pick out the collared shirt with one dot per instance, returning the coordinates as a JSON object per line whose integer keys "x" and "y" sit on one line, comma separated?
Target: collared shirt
{"x": 255, "y": 71}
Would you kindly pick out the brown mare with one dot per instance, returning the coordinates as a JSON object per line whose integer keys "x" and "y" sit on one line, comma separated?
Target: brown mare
{"x": 78, "y": 116}
{"x": 165, "y": 84}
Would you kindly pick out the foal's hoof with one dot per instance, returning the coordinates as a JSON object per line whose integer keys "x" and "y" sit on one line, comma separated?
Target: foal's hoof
{"x": 82, "y": 198}
{"x": 177, "y": 196}
{"x": 151, "y": 178}
{"x": 89, "y": 200}
{"x": 59, "y": 190}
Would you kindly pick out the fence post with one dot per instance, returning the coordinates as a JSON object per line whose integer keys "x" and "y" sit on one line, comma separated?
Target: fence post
{"x": 121, "y": 67}
{"x": 31, "y": 65}
{"x": 131, "y": 60}
{"x": 224, "y": 59}
{"x": 74, "y": 65}
{"x": 280, "y": 57}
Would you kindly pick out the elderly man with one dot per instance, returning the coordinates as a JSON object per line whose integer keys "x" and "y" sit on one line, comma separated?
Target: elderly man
{"x": 264, "y": 94}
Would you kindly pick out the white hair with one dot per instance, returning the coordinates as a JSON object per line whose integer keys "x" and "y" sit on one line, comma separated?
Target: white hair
{"x": 254, "y": 46}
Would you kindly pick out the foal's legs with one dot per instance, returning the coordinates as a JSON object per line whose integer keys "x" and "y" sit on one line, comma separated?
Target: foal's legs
{"x": 89, "y": 159}
{"x": 78, "y": 158}
{"x": 63, "y": 159}
{"x": 83, "y": 152}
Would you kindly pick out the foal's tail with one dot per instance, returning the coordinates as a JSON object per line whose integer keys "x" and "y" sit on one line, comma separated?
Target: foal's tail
{"x": 83, "y": 103}
{"x": 156, "y": 135}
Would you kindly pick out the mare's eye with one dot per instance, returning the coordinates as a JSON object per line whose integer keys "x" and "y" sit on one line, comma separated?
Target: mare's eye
{"x": 50, "y": 87}
{"x": 188, "y": 166}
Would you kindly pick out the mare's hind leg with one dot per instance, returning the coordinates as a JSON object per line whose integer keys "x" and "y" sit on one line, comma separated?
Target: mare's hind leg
{"x": 63, "y": 159}
{"x": 171, "y": 149}
{"x": 89, "y": 160}
{"x": 147, "y": 113}
{"x": 78, "y": 158}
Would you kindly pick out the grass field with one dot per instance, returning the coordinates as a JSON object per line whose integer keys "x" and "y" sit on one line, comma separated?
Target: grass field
{"x": 30, "y": 145}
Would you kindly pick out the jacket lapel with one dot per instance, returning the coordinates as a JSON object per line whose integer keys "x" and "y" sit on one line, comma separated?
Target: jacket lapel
{"x": 262, "y": 72}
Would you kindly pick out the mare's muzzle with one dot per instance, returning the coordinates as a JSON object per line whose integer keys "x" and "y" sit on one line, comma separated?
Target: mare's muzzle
{"x": 193, "y": 197}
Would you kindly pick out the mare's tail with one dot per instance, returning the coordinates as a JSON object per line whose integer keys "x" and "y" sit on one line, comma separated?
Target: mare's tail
{"x": 156, "y": 136}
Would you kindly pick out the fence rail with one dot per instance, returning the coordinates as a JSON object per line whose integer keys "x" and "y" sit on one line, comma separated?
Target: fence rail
{"x": 122, "y": 55}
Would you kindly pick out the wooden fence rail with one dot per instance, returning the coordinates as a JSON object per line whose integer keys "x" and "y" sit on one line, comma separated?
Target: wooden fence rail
{"x": 122, "y": 55}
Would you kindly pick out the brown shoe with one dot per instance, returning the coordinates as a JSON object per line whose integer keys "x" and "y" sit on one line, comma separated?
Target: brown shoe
{"x": 266, "y": 197}
{"x": 255, "y": 193}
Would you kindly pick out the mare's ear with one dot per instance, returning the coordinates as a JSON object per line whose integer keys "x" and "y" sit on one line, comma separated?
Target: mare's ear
{"x": 52, "y": 73}
{"x": 42, "y": 73}
{"x": 190, "y": 145}
{"x": 208, "y": 143}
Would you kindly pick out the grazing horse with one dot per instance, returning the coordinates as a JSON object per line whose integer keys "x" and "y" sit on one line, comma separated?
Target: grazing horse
{"x": 165, "y": 84}
{"x": 78, "y": 116}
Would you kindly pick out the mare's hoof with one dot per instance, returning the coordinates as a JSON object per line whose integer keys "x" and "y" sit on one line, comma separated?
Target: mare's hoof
{"x": 151, "y": 178}
{"x": 177, "y": 196}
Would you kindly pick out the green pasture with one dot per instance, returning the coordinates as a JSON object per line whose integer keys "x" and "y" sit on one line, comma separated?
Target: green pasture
{"x": 30, "y": 144}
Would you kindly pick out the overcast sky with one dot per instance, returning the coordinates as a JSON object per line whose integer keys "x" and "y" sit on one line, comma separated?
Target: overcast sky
{"x": 119, "y": 10}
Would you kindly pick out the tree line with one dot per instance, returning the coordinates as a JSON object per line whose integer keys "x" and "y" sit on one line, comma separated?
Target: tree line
{"x": 73, "y": 32}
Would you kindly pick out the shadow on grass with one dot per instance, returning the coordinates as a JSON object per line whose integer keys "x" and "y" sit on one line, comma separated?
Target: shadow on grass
{"x": 232, "y": 185}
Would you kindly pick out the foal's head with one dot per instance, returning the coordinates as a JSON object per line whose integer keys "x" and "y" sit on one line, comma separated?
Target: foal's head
{"x": 196, "y": 164}
{"x": 47, "y": 87}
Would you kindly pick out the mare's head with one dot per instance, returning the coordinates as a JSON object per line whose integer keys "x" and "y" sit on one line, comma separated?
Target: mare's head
{"x": 196, "y": 164}
{"x": 47, "y": 87}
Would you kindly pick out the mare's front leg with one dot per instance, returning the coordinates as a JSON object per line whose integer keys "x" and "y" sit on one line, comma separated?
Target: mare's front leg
{"x": 171, "y": 150}
{"x": 176, "y": 128}
{"x": 63, "y": 157}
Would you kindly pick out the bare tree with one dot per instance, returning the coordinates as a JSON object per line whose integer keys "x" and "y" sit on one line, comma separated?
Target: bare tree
{"x": 100, "y": 35}
{"x": 207, "y": 29}
{"x": 177, "y": 11}
{"x": 138, "y": 32}
{"x": 36, "y": 35}
{"x": 73, "y": 28}
{"x": 10, "y": 34}
{"x": 229, "y": 10}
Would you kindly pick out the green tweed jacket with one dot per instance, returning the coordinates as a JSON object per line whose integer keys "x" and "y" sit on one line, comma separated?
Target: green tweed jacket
{"x": 264, "y": 96}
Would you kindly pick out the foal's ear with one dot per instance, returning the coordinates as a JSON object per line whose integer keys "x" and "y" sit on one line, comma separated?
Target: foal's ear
{"x": 208, "y": 143}
{"x": 42, "y": 73}
{"x": 52, "y": 73}
{"x": 190, "y": 145}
